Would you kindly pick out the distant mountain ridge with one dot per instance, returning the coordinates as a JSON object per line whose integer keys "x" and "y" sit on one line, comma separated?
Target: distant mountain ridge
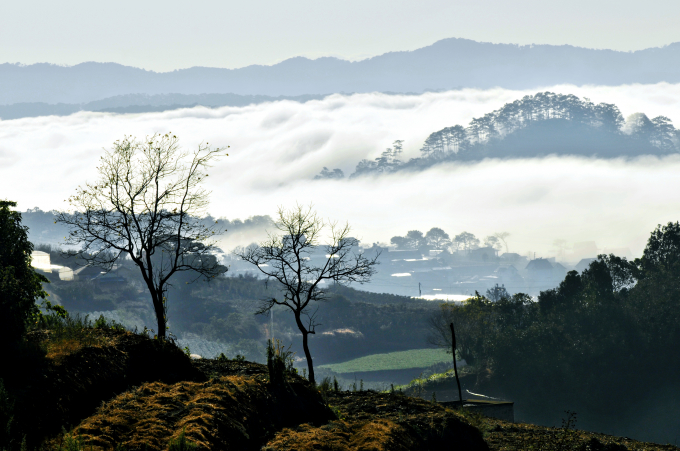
{"x": 446, "y": 64}
{"x": 141, "y": 103}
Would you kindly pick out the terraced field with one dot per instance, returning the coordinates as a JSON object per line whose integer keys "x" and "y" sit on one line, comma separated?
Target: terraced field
{"x": 414, "y": 358}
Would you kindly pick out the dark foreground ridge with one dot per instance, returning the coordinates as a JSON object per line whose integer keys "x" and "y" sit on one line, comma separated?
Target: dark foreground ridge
{"x": 115, "y": 390}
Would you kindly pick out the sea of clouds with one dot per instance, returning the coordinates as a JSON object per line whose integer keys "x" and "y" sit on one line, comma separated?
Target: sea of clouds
{"x": 277, "y": 148}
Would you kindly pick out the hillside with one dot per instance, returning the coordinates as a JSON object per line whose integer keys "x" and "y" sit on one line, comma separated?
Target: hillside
{"x": 536, "y": 126}
{"x": 446, "y": 64}
{"x": 105, "y": 389}
{"x": 113, "y": 389}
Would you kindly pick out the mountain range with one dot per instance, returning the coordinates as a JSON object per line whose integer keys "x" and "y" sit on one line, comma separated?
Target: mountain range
{"x": 447, "y": 64}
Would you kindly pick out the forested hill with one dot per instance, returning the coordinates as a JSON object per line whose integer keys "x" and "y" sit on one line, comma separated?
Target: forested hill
{"x": 447, "y": 64}
{"x": 536, "y": 126}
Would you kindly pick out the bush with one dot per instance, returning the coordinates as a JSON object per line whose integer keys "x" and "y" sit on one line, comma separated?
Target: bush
{"x": 107, "y": 324}
{"x": 71, "y": 442}
{"x": 279, "y": 361}
{"x": 182, "y": 444}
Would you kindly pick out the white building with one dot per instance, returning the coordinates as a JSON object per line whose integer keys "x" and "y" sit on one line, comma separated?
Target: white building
{"x": 41, "y": 260}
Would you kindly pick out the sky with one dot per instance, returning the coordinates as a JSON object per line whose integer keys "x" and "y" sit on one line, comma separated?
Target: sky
{"x": 278, "y": 147}
{"x": 172, "y": 34}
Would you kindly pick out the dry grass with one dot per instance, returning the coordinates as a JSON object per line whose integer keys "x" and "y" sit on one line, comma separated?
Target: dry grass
{"x": 226, "y": 413}
{"x": 240, "y": 410}
{"x": 377, "y": 435}
{"x": 70, "y": 375}
{"x": 218, "y": 414}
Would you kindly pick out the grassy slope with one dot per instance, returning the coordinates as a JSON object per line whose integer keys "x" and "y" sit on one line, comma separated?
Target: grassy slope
{"x": 415, "y": 358}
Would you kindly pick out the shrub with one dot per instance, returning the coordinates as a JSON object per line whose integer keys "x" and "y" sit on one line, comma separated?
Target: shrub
{"x": 182, "y": 444}
{"x": 71, "y": 442}
{"x": 279, "y": 361}
{"x": 325, "y": 388}
{"x": 107, "y": 324}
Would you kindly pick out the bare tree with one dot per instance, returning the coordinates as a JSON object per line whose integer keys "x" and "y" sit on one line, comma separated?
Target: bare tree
{"x": 502, "y": 236}
{"x": 294, "y": 260}
{"x": 146, "y": 206}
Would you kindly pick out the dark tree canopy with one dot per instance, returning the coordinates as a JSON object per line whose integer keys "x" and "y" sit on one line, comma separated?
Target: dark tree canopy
{"x": 614, "y": 326}
{"x": 437, "y": 238}
{"x": 466, "y": 241}
{"x": 663, "y": 248}
{"x": 413, "y": 240}
{"x": 20, "y": 285}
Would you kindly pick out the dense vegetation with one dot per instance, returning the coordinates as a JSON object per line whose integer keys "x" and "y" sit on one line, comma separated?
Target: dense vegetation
{"x": 20, "y": 285}
{"x": 605, "y": 343}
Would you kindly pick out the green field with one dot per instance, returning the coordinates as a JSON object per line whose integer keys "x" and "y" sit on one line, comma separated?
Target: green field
{"x": 415, "y": 358}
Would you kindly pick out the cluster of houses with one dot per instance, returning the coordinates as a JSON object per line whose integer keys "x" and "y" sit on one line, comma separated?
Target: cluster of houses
{"x": 452, "y": 276}
{"x": 434, "y": 274}
{"x": 428, "y": 274}
{"x": 41, "y": 261}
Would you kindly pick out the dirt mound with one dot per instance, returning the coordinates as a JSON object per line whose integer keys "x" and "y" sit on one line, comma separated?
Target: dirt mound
{"x": 75, "y": 376}
{"x": 217, "y": 368}
{"x": 226, "y": 413}
{"x": 378, "y": 421}
{"x": 377, "y": 435}
{"x": 431, "y": 426}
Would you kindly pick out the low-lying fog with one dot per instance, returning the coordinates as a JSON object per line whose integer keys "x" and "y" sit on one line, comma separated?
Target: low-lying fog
{"x": 277, "y": 149}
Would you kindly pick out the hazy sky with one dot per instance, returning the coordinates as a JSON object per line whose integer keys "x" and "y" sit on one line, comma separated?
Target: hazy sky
{"x": 278, "y": 147}
{"x": 171, "y": 34}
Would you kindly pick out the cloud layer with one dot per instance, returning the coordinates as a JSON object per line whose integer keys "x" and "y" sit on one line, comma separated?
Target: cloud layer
{"x": 277, "y": 148}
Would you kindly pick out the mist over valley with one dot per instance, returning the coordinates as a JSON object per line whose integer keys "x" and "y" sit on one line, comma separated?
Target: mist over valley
{"x": 353, "y": 212}
{"x": 278, "y": 148}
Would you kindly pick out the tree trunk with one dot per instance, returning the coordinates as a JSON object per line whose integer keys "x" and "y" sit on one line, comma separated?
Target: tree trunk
{"x": 160, "y": 314}
{"x": 308, "y": 355}
{"x": 305, "y": 346}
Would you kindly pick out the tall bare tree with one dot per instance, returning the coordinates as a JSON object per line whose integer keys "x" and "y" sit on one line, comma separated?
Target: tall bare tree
{"x": 301, "y": 264}
{"x": 146, "y": 206}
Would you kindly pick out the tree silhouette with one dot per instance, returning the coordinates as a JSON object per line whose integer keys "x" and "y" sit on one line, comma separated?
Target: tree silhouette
{"x": 146, "y": 206}
{"x": 286, "y": 259}
{"x": 20, "y": 285}
{"x": 466, "y": 241}
{"x": 437, "y": 238}
{"x": 328, "y": 174}
{"x": 503, "y": 236}
{"x": 493, "y": 242}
